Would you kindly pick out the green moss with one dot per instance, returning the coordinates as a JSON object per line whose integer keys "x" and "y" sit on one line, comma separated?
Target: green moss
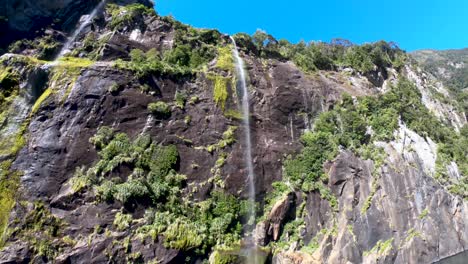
{"x": 40, "y": 100}
{"x": 65, "y": 73}
{"x": 43, "y": 230}
{"x": 225, "y": 59}
{"x": 72, "y": 62}
{"x": 9, "y": 183}
{"x": 9, "y": 80}
{"x": 11, "y": 144}
{"x": 9, "y": 86}
{"x": 233, "y": 114}
{"x": 220, "y": 89}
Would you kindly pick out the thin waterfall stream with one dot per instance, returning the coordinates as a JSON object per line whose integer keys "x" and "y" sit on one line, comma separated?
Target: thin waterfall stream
{"x": 248, "y": 143}
{"x": 77, "y": 31}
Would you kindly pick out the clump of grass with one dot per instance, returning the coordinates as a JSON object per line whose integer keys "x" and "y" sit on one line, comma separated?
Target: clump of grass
{"x": 159, "y": 109}
{"x": 122, "y": 221}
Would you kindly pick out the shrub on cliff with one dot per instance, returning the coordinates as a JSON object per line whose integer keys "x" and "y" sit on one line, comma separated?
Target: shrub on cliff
{"x": 159, "y": 109}
{"x": 155, "y": 185}
{"x": 125, "y": 16}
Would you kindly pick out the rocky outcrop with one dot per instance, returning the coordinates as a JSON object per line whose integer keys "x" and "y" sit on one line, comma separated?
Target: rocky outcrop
{"x": 27, "y": 19}
{"x": 408, "y": 220}
{"x": 270, "y": 229}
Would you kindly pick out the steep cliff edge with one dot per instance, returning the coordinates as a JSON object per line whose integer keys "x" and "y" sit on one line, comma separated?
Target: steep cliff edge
{"x": 130, "y": 148}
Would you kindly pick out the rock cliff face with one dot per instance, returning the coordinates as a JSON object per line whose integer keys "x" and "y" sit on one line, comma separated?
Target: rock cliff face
{"x": 130, "y": 72}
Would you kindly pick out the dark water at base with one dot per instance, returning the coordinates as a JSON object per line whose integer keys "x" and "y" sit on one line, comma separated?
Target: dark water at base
{"x": 460, "y": 258}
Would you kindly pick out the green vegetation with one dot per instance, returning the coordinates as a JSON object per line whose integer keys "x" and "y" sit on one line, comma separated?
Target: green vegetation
{"x": 150, "y": 62}
{"x": 9, "y": 183}
{"x": 74, "y": 63}
{"x": 453, "y": 149}
{"x": 220, "y": 257}
{"x": 193, "y": 47}
{"x": 191, "y": 51}
{"x": 449, "y": 66}
{"x": 80, "y": 180}
{"x": 45, "y": 46}
{"x": 122, "y": 221}
{"x": 9, "y": 88}
{"x": 356, "y": 124}
{"x": 159, "y": 109}
{"x": 410, "y": 234}
{"x": 154, "y": 183}
{"x": 227, "y": 140}
{"x": 382, "y": 248}
{"x": 424, "y": 213}
{"x": 127, "y": 15}
{"x": 225, "y": 60}
{"x": 10, "y": 144}
{"x": 42, "y": 230}
{"x": 325, "y": 56}
{"x": 233, "y": 114}
{"x": 453, "y": 62}
{"x": 91, "y": 46}
{"x": 40, "y": 100}
{"x": 220, "y": 90}
{"x": 180, "y": 98}
{"x": 64, "y": 74}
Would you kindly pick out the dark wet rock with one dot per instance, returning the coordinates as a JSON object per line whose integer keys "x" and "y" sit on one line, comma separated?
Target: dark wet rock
{"x": 270, "y": 229}
{"x": 393, "y": 216}
{"x": 279, "y": 214}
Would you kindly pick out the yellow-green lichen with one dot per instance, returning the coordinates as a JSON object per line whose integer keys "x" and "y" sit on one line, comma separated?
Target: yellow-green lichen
{"x": 72, "y": 62}
{"x": 9, "y": 182}
{"x": 233, "y": 114}
{"x": 382, "y": 248}
{"x": 40, "y": 100}
{"x": 227, "y": 140}
{"x": 220, "y": 89}
{"x": 225, "y": 59}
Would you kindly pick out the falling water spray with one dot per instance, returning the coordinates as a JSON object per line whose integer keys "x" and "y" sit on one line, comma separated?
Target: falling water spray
{"x": 248, "y": 143}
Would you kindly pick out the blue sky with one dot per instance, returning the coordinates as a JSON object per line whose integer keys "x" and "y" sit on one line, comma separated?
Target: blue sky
{"x": 413, "y": 24}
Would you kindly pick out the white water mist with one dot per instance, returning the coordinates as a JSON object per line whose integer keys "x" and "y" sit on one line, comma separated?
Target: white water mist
{"x": 248, "y": 143}
{"x": 77, "y": 31}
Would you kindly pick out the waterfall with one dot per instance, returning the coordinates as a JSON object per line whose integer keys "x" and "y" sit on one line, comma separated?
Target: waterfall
{"x": 77, "y": 31}
{"x": 248, "y": 143}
